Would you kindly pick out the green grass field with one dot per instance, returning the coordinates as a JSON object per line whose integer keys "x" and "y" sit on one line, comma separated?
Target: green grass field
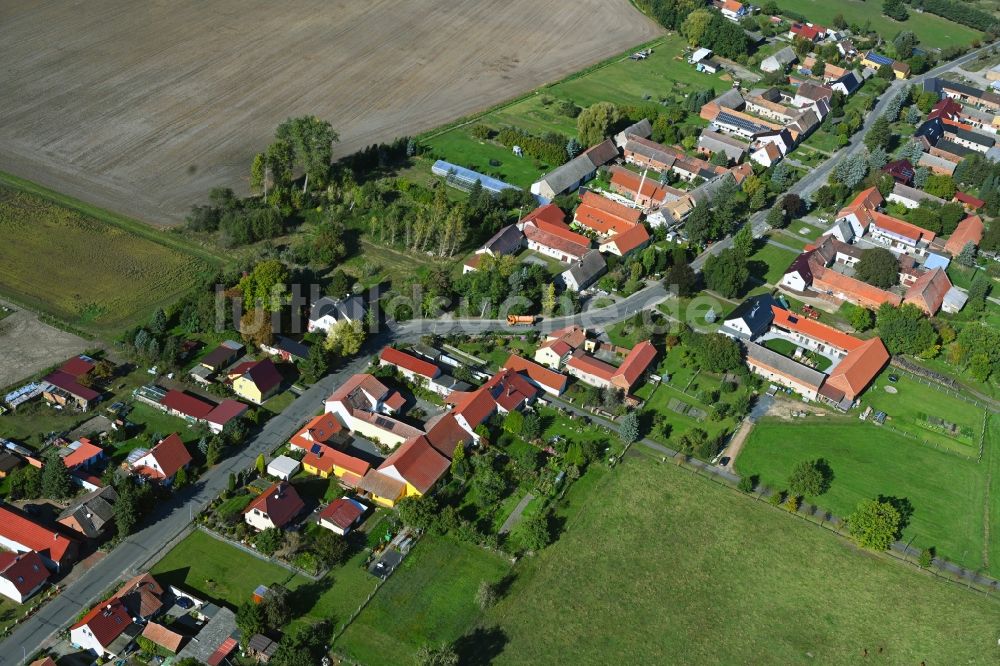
{"x": 770, "y": 262}
{"x": 202, "y": 563}
{"x": 948, "y": 493}
{"x": 88, "y": 271}
{"x": 656, "y": 566}
{"x": 430, "y": 599}
{"x": 619, "y": 80}
{"x": 914, "y": 402}
{"x": 932, "y": 31}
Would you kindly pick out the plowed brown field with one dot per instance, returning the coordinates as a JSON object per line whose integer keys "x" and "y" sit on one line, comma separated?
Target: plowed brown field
{"x": 142, "y": 107}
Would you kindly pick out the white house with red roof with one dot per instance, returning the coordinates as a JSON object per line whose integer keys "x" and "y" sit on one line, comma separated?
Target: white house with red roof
{"x": 415, "y": 369}
{"x": 275, "y": 507}
{"x": 365, "y": 405}
{"x": 163, "y": 461}
{"x": 323, "y": 429}
{"x": 107, "y": 630}
{"x": 21, "y": 534}
{"x": 544, "y": 378}
{"x": 21, "y": 575}
{"x": 627, "y": 242}
{"x": 592, "y": 370}
{"x": 547, "y": 233}
{"x": 196, "y": 410}
{"x": 341, "y": 515}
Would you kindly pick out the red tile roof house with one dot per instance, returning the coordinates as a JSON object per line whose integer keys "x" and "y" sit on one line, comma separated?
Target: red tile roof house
{"x": 143, "y": 596}
{"x": 626, "y": 243}
{"x": 63, "y": 386}
{"x": 21, "y": 534}
{"x": 341, "y": 515}
{"x": 547, "y": 234}
{"x": 164, "y": 460}
{"x": 81, "y": 455}
{"x": 107, "y": 630}
{"x": 969, "y": 230}
{"x": 928, "y": 292}
{"x": 597, "y": 373}
{"x": 365, "y": 405}
{"x": 275, "y": 507}
{"x": 21, "y": 575}
{"x": 548, "y": 380}
{"x": 323, "y": 429}
{"x": 970, "y": 202}
{"x": 414, "y": 369}
{"x": 196, "y": 410}
{"x": 604, "y": 216}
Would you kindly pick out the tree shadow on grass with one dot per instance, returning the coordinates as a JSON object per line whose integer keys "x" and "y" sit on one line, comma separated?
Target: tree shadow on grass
{"x": 480, "y": 646}
{"x": 903, "y": 505}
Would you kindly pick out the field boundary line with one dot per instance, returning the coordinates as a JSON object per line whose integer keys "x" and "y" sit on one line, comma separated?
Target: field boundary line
{"x": 167, "y": 239}
{"x": 469, "y": 119}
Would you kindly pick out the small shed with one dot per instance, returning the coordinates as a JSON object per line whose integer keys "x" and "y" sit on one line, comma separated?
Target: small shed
{"x": 261, "y": 648}
{"x": 283, "y": 467}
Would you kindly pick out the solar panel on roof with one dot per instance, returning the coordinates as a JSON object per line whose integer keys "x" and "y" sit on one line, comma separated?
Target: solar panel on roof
{"x": 315, "y": 449}
{"x": 742, "y": 123}
{"x": 879, "y": 58}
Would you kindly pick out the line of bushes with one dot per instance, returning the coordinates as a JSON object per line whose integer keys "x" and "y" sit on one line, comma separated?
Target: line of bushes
{"x": 962, "y": 13}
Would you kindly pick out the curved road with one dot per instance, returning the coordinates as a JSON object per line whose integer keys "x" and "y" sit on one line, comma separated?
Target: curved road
{"x": 171, "y": 518}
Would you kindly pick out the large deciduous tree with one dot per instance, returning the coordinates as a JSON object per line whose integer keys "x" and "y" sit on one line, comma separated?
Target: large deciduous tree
{"x": 311, "y": 141}
{"x": 595, "y": 122}
{"x": 878, "y": 267}
{"x": 875, "y": 524}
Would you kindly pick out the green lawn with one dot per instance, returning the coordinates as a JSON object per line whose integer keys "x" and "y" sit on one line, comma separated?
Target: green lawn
{"x": 933, "y": 31}
{"x": 430, "y": 599}
{"x": 914, "y": 402}
{"x": 947, "y": 492}
{"x": 770, "y": 262}
{"x": 129, "y": 271}
{"x": 659, "y": 566}
{"x": 205, "y": 565}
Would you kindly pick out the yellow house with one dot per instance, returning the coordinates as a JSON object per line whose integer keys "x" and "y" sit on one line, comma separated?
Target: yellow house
{"x": 410, "y": 471}
{"x": 324, "y": 461}
{"x": 876, "y": 61}
{"x": 255, "y": 381}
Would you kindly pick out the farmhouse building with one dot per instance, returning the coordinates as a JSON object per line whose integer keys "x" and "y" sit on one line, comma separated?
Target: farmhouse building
{"x": 576, "y": 172}
{"x": 21, "y": 575}
{"x": 276, "y": 507}
{"x": 21, "y": 534}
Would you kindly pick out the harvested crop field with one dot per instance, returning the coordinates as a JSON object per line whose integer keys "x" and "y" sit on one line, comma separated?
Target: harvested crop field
{"x": 143, "y": 107}
{"x": 87, "y": 272}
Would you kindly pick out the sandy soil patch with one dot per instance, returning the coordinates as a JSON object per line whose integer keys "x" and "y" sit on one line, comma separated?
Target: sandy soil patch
{"x": 28, "y": 345}
{"x": 142, "y": 107}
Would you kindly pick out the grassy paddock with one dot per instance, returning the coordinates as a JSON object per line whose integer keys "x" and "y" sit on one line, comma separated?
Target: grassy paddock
{"x": 96, "y": 273}
{"x": 657, "y": 562}
{"x": 430, "y": 599}
{"x": 203, "y": 564}
{"x": 932, "y": 31}
{"x": 947, "y": 493}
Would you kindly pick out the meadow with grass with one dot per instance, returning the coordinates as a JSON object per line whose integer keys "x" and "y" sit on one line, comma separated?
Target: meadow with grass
{"x": 947, "y": 493}
{"x": 88, "y": 272}
{"x": 932, "y": 31}
{"x": 657, "y": 564}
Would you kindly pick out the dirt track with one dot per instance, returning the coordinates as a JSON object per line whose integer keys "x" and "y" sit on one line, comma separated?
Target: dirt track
{"x": 142, "y": 107}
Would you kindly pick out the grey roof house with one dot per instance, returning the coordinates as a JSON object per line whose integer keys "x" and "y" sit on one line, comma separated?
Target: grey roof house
{"x": 583, "y": 273}
{"x": 715, "y": 142}
{"x": 779, "y": 60}
{"x": 328, "y": 311}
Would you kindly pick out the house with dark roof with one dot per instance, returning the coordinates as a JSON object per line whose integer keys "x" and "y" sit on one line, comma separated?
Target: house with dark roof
{"x": 508, "y": 240}
{"x": 950, "y": 150}
{"x": 642, "y": 129}
{"x": 968, "y": 139}
{"x": 901, "y": 171}
{"x": 847, "y": 84}
{"x": 286, "y": 349}
{"x": 276, "y": 507}
{"x": 583, "y": 273}
{"x": 255, "y": 381}
{"x": 91, "y": 515}
{"x": 221, "y": 356}
{"x": 327, "y": 312}
{"x": 930, "y": 132}
{"x": 911, "y": 197}
{"x": 575, "y": 172}
{"x": 750, "y": 318}
{"x": 21, "y": 575}
{"x": 142, "y": 596}
{"x": 778, "y": 60}
{"x": 216, "y": 640}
